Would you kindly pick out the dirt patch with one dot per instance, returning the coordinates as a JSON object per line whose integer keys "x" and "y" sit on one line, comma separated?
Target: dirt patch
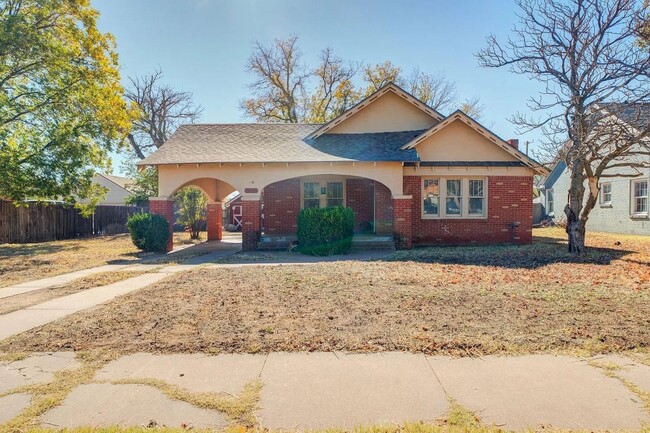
{"x": 13, "y": 303}
{"x": 500, "y": 303}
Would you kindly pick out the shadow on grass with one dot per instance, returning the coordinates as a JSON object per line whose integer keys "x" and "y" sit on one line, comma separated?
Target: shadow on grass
{"x": 543, "y": 251}
{"x": 31, "y": 249}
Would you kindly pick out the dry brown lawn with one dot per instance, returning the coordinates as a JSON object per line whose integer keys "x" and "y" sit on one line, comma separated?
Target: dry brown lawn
{"x": 27, "y": 262}
{"x": 444, "y": 300}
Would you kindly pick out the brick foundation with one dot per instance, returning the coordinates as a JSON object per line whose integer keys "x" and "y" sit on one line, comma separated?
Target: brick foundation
{"x": 214, "y": 216}
{"x": 509, "y": 201}
{"x": 250, "y": 232}
{"x": 165, "y": 208}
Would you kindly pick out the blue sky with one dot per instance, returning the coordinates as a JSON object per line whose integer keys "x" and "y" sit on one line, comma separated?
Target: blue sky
{"x": 202, "y": 45}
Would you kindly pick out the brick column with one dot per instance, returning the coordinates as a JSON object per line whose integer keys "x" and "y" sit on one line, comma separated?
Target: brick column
{"x": 214, "y": 215}
{"x": 250, "y": 228}
{"x": 403, "y": 222}
{"x": 164, "y": 207}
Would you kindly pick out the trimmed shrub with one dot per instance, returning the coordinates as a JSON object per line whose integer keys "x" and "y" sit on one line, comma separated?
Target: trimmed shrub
{"x": 327, "y": 231}
{"x": 149, "y": 232}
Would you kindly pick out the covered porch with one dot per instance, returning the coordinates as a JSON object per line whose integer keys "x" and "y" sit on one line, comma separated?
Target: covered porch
{"x": 273, "y": 194}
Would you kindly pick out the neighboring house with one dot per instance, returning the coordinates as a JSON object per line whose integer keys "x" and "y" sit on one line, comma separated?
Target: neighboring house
{"x": 118, "y": 189}
{"x": 624, "y": 203}
{"x": 405, "y": 169}
{"x": 233, "y": 211}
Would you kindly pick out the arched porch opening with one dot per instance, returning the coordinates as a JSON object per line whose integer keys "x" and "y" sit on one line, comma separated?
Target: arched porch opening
{"x": 214, "y": 190}
{"x": 281, "y": 201}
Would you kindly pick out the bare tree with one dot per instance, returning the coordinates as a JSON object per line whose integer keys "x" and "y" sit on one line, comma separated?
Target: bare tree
{"x": 279, "y": 86}
{"x": 334, "y": 91}
{"x": 473, "y": 107}
{"x": 161, "y": 109}
{"x": 434, "y": 90}
{"x": 585, "y": 52}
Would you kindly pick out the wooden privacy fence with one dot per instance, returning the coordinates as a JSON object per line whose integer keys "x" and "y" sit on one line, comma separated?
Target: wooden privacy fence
{"x": 39, "y": 222}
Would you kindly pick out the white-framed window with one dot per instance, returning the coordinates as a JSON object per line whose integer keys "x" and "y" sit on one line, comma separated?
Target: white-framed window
{"x": 640, "y": 197}
{"x": 550, "y": 202}
{"x": 431, "y": 197}
{"x": 606, "y": 193}
{"x": 476, "y": 197}
{"x": 322, "y": 193}
{"x": 454, "y": 197}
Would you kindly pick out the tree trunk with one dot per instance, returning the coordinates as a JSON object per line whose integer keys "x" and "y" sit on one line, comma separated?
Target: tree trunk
{"x": 575, "y": 226}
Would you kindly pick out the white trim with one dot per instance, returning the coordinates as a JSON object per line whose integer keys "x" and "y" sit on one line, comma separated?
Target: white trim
{"x": 551, "y": 212}
{"x": 390, "y": 87}
{"x": 442, "y": 198}
{"x": 633, "y": 212}
{"x": 601, "y": 193}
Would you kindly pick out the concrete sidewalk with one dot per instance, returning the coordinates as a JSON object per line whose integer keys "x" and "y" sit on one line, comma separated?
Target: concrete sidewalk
{"x": 303, "y": 391}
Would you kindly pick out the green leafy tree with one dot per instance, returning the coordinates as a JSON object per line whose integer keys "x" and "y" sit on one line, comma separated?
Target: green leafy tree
{"x": 191, "y": 211}
{"x": 145, "y": 182}
{"x": 61, "y": 105}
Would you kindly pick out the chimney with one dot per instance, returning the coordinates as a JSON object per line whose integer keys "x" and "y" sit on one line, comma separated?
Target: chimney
{"x": 514, "y": 142}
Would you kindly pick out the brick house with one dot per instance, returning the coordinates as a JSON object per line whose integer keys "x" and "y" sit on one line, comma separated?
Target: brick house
{"x": 406, "y": 170}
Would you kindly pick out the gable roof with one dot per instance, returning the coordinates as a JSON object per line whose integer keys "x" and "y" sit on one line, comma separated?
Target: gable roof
{"x": 120, "y": 181}
{"x": 277, "y": 142}
{"x": 635, "y": 114}
{"x": 461, "y": 116}
{"x": 390, "y": 87}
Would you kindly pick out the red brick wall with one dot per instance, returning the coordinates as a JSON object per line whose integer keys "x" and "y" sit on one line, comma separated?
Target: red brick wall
{"x": 214, "y": 216}
{"x": 358, "y": 197}
{"x": 250, "y": 232}
{"x": 509, "y": 200}
{"x": 281, "y": 206}
{"x": 165, "y": 208}
{"x": 403, "y": 222}
{"x": 383, "y": 209}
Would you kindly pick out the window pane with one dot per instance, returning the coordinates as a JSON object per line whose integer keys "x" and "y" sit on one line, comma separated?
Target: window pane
{"x": 335, "y": 190}
{"x": 550, "y": 204}
{"x": 311, "y": 202}
{"x": 476, "y": 206}
{"x": 333, "y": 202}
{"x": 431, "y": 197}
{"x": 642, "y": 205}
{"x": 641, "y": 189}
{"x": 453, "y": 188}
{"x": 476, "y": 188}
{"x": 311, "y": 190}
{"x": 453, "y": 206}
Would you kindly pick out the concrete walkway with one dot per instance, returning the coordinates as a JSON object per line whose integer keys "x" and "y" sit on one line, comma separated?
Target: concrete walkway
{"x": 303, "y": 391}
{"x": 37, "y": 315}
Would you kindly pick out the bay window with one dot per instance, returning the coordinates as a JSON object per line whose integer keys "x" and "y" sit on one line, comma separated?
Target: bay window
{"x": 454, "y": 201}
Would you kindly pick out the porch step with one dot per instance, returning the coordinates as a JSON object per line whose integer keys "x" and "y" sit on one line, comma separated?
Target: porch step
{"x": 372, "y": 242}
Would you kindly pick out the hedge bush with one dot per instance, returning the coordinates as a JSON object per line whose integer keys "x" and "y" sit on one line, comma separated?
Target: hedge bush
{"x": 149, "y": 232}
{"x": 327, "y": 231}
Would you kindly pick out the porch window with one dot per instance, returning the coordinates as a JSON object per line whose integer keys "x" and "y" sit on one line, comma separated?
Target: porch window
{"x": 431, "y": 194}
{"x": 454, "y": 199}
{"x": 606, "y": 193}
{"x": 323, "y": 193}
{"x": 334, "y": 194}
{"x": 640, "y": 197}
{"x": 311, "y": 195}
{"x": 476, "y": 197}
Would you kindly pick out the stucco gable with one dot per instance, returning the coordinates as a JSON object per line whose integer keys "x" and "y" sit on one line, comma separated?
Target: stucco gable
{"x": 461, "y": 138}
{"x": 390, "y": 109}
